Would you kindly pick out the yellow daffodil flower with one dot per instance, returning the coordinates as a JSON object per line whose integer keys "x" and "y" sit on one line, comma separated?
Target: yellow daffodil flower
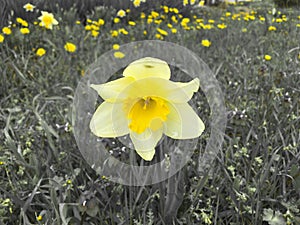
{"x": 146, "y": 104}
{"x": 29, "y": 7}
{"x": 47, "y": 20}
{"x": 121, "y": 13}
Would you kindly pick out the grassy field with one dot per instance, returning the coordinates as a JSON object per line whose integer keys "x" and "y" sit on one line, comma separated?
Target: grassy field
{"x": 254, "y": 51}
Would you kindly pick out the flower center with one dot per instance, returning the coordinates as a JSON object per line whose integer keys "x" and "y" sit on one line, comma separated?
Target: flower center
{"x": 47, "y": 20}
{"x": 148, "y": 112}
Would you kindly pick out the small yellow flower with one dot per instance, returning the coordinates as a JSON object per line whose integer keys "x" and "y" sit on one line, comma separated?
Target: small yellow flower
{"x": 162, "y": 32}
{"x": 123, "y": 31}
{"x": 145, "y": 32}
{"x": 201, "y": 3}
{"x": 116, "y": 47}
{"x": 228, "y": 14}
{"x": 40, "y": 52}
{"x": 114, "y": 33}
{"x": 121, "y": 13}
{"x": 154, "y": 14}
{"x": 222, "y": 26}
{"x": 268, "y": 57}
{"x": 22, "y": 22}
{"x": 100, "y": 22}
{"x": 117, "y": 20}
{"x": 1, "y": 38}
{"x": 94, "y": 33}
{"x": 136, "y": 3}
{"x": 272, "y": 28}
{"x": 206, "y": 43}
{"x": 47, "y": 20}
{"x": 298, "y": 25}
{"x": 262, "y": 19}
{"x": 119, "y": 55}
{"x": 175, "y": 10}
{"x": 244, "y": 30}
{"x": 131, "y": 23}
{"x": 159, "y": 36}
{"x": 185, "y": 2}
{"x": 192, "y": 2}
{"x": 78, "y": 22}
{"x": 24, "y": 30}
{"x": 145, "y": 104}
{"x": 174, "y": 30}
{"x": 6, "y": 30}
{"x": 39, "y": 218}
{"x": 278, "y": 20}
{"x": 70, "y": 47}
{"x": 211, "y": 21}
{"x": 29, "y": 7}
{"x": 143, "y": 15}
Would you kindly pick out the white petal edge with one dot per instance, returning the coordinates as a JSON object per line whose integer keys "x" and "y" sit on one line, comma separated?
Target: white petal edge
{"x": 109, "y": 120}
{"x": 146, "y": 142}
{"x": 148, "y": 67}
{"x": 112, "y": 91}
{"x": 182, "y": 122}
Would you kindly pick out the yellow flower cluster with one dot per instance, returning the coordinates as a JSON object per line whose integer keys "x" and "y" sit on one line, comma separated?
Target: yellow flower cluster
{"x": 94, "y": 26}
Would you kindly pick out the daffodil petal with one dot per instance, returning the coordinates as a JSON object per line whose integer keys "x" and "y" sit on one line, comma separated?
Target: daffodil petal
{"x": 145, "y": 142}
{"x": 183, "y": 122}
{"x": 109, "y": 120}
{"x": 171, "y": 91}
{"x": 110, "y": 91}
{"x": 148, "y": 67}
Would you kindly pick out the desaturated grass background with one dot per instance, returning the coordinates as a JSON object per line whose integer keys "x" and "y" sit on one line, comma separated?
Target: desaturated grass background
{"x": 254, "y": 180}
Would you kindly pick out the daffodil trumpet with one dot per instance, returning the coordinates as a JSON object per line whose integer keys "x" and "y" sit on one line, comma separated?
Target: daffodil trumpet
{"x": 145, "y": 104}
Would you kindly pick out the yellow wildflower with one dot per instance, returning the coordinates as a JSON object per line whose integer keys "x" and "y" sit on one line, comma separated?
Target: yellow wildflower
{"x": 272, "y": 28}
{"x": 114, "y": 33}
{"x": 119, "y": 55}
{"x": 121, "y": 13}
{"x": 40, "y": 52}
{"x": 47, "y": 20}
{"x": 268, "y": 57}
{"x": 222, "y": 26}
{"x": 39, "y": 218}
{"x": 131, "y": 23}
{"x": 116, "y": 47}
{"x": 116, "y": 20}
{"x": 24, "y": 30}
{"x": 146, "y": 104}
{"x": 192, "y": 2}
{"x": 174, "y": 30}
{"x": 6, "y": 30}
{"x": 206, "y": 43}
{"x": 143, "y": 15}
{"x": 94, "y": 33}
{"x": 100, "y": 22}
{"x": 162, "y": 32}
{"x": 22, "y": 22}
{"x": 228, "y": 14}
{"x": 136, "y": 3}
{"x": 29, "y": 7}
{"x": 123, "y": 31}
{"x": 70, "y": 47}
{"x": 1, "y": 38}
{"x": 154, "y": 14}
